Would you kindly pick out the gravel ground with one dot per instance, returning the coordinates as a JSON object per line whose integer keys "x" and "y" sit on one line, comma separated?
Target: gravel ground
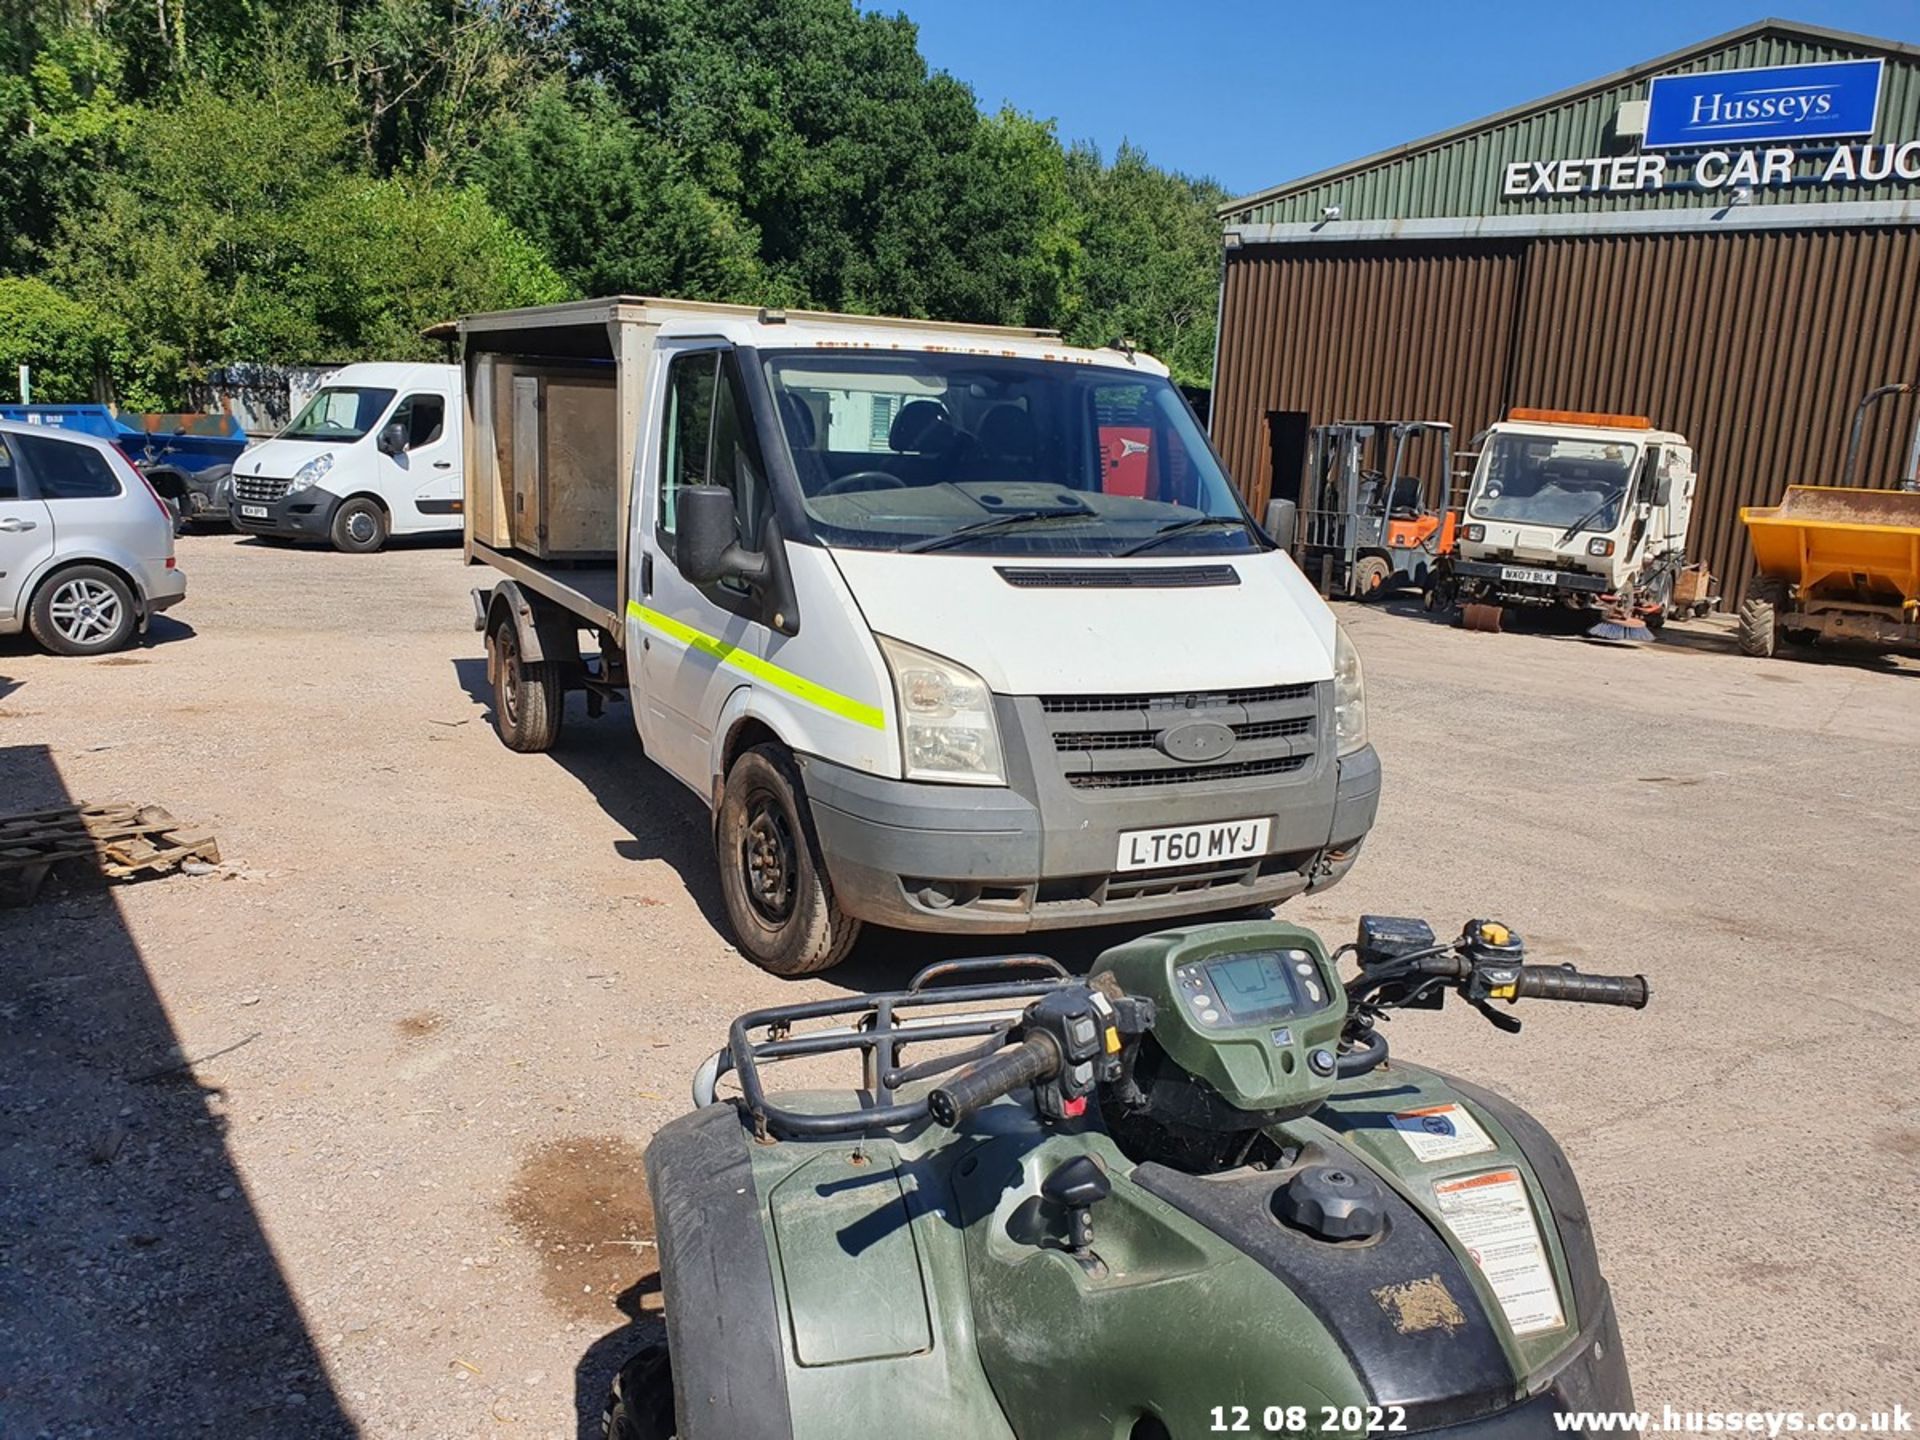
{"x": 442, "y": 995}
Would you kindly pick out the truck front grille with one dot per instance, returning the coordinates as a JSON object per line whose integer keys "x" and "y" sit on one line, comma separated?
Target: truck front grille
{"x": 1113, "y": 742}
{"x": 258, "y": 489}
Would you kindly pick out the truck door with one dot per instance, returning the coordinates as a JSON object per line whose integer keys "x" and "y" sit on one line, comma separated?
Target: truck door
{"x": 26, "y": 535}
{"x": 705, "y": 436}
{"x": 426, "y": 473}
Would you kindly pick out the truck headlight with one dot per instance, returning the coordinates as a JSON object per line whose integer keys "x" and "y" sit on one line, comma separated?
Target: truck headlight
{"x": 1349, "y": 695}
{"x": 947, "y": 729}
{"x": 1473, "y": 534}
{"x": 1600, "y": 547}
{"x": 308, "y": 475}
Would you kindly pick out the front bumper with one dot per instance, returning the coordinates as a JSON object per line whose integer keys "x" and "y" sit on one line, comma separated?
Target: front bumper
{"x": 302, "y": 515}
{"x": 1006, "y": 860}
{"x": 1593, "y": 1382}
{"x": 1492, "y": 577}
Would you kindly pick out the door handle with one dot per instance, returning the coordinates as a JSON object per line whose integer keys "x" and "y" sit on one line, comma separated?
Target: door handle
{"x": 443, "y": 464}
{"x": 646, "y": 576}
{"x": 14, "y": 527}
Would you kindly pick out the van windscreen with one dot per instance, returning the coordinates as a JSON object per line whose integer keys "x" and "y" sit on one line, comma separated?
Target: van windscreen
{"x": 339, "y": 412}
{"x": 920, "y": 450}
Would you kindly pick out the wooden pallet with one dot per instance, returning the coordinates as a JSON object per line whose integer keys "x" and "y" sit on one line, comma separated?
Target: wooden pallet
{"x": 121, "y": 841}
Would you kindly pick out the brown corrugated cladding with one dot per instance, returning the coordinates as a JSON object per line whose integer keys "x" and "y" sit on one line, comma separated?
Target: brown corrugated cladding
{"x": 1755, "y": 344}
{"x": 1359, "y": 331}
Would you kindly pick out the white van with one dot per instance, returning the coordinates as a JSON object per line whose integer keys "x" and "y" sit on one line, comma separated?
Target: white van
{"x": 376, "y": 452}
{"x": 955, "y": 628}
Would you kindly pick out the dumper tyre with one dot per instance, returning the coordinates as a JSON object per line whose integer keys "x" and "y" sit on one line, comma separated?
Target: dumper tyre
{"x": 772, "y": 879}
{"x": 359, "y": 526}
{"x": 528, "y": 696}
{"x": 1758, "y": 632}
{"x": 640, "y": 1405}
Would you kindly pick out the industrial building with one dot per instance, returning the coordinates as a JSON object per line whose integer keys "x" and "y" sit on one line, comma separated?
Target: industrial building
{"x": 1725, "y": 239}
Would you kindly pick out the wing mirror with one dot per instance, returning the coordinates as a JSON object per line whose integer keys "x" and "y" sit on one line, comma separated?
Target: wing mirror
{"x": 1663, "y": 490}
{"x": 392, "y": 439}
{"x": 705, "y": 544}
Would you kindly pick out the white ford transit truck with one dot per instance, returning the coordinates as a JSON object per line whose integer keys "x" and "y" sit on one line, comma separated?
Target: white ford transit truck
{"x": 953, "y": 628}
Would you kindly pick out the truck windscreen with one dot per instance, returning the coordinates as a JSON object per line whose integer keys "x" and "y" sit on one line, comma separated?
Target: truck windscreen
{"x": 921, "y": 450}
{"x": 1553, "y": 481}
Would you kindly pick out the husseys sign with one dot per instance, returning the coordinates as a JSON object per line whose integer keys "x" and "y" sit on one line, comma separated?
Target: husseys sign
{"x": 1714, "y": 115}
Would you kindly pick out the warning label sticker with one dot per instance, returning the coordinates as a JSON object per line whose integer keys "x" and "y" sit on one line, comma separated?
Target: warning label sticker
{"x": 1491, "y": 1216}
{"x": 1441, "y": 1132}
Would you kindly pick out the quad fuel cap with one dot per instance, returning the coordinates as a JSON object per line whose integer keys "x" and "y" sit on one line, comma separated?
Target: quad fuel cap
{"x": 1333, "y": 1202}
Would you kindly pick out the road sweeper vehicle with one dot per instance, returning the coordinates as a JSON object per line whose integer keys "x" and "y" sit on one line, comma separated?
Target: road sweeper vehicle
{"x": 953, "y": 628}
{"x": 1191, "y": 1195}
{"x": 1838, "y": 562}
{"x": 1580, "y": 511}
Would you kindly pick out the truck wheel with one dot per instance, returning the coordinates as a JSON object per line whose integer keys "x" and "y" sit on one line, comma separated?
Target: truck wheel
{"x": 640, "y": 1405}
{"x": 528, "y": 698}
{"x": 1370, "y": 576}
{"x": 82, "y": 610}
{"x": 1759, "y": 630}
{"x": 771, "y": 878}
{"x": 359, "y": 526}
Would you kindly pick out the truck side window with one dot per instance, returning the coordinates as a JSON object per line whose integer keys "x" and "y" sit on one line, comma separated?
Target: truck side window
{"x": 425, "y": 417}
{"x": 688, "y": 429}
{"x": 63, "y": 470}
{"x": 735, "y": 457}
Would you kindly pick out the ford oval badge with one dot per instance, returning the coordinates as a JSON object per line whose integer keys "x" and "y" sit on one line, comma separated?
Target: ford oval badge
{"x": 1196, "y": 740}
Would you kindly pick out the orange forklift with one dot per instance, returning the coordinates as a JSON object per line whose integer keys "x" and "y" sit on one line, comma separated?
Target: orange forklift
{"x": 1374, "y": 513}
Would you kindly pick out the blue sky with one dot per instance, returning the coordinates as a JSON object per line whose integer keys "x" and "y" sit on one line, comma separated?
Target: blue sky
{"x": 1259, "y": 91}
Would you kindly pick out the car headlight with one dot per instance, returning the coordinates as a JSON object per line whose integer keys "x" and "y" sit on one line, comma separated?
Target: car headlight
{"x": 1349, "y": 695}
{"x": 947, "y": 729}
{"x": 308, "y": 475}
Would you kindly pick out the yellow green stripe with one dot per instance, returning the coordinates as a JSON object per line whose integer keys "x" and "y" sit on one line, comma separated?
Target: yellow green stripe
{"x": 832, "y": 701}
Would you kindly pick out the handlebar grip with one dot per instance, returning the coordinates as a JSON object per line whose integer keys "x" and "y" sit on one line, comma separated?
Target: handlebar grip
{"x": 1035, "y": 1058}
{"x": 1550, "y": 982}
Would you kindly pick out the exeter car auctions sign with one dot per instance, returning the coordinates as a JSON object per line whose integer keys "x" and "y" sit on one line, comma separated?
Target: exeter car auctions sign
{"x": 1712, "y": 114}
{"x": 1783, "y": 102}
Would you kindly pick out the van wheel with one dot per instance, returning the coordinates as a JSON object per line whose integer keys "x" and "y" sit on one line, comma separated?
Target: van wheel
{"x": 359, "y": 526}
{"x": 84, "y": 610}
{"x": 771, "y": 878}
{"x": 528, "y": 699}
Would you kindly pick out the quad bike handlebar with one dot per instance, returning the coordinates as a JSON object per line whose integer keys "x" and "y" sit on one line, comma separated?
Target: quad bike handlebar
{"x": 1034, "y": 1059}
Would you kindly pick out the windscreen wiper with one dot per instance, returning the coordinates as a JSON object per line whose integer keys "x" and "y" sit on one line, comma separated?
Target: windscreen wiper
{"x": 1180, "y": 527}
{"x": 1004, "y": 521}
{"x": 1581, "y": 524}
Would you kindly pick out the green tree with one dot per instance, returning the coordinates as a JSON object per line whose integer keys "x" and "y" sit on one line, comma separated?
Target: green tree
{"x": 61, "y": 340}
{"x": 59, "y": 111}
{"x": 613, "y": 207}
{"x": 1151, "y": 246}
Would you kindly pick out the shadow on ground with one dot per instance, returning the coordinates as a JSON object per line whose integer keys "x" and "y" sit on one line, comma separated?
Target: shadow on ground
{"x": 139, "y": 1296}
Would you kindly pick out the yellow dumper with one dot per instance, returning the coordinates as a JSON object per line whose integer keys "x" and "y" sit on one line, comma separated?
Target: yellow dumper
{"x": 1840, "y": 561}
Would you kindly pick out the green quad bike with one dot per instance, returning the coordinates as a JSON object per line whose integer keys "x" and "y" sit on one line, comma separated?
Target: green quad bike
{"x": 1189, "y": 1195}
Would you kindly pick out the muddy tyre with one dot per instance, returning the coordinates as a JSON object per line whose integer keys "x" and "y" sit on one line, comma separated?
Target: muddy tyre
{"x": 640, "y": 1405}
{"x": 359, "y": 526}
{"x": 528, "y": 696}
{"x": 1758, "y": 633}
{"x": 775, "y": 887}
{"x": 83, "y": 610}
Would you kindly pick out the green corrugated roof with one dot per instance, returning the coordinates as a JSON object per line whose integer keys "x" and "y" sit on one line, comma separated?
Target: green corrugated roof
{"x": 1459, "y": 172}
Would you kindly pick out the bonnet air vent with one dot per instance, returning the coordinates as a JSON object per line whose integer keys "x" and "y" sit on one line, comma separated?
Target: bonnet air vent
{"x": 1117, "y": 577}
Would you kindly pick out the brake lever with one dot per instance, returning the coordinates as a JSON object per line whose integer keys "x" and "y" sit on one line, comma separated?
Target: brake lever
{"x": 1500, "y": 1022}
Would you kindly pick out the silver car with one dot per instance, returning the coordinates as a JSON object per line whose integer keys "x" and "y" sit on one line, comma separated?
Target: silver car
{"x": 86, "y": 546}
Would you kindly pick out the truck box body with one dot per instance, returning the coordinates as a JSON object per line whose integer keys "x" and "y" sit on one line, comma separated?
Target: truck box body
{"x": 1007, "y": 683}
